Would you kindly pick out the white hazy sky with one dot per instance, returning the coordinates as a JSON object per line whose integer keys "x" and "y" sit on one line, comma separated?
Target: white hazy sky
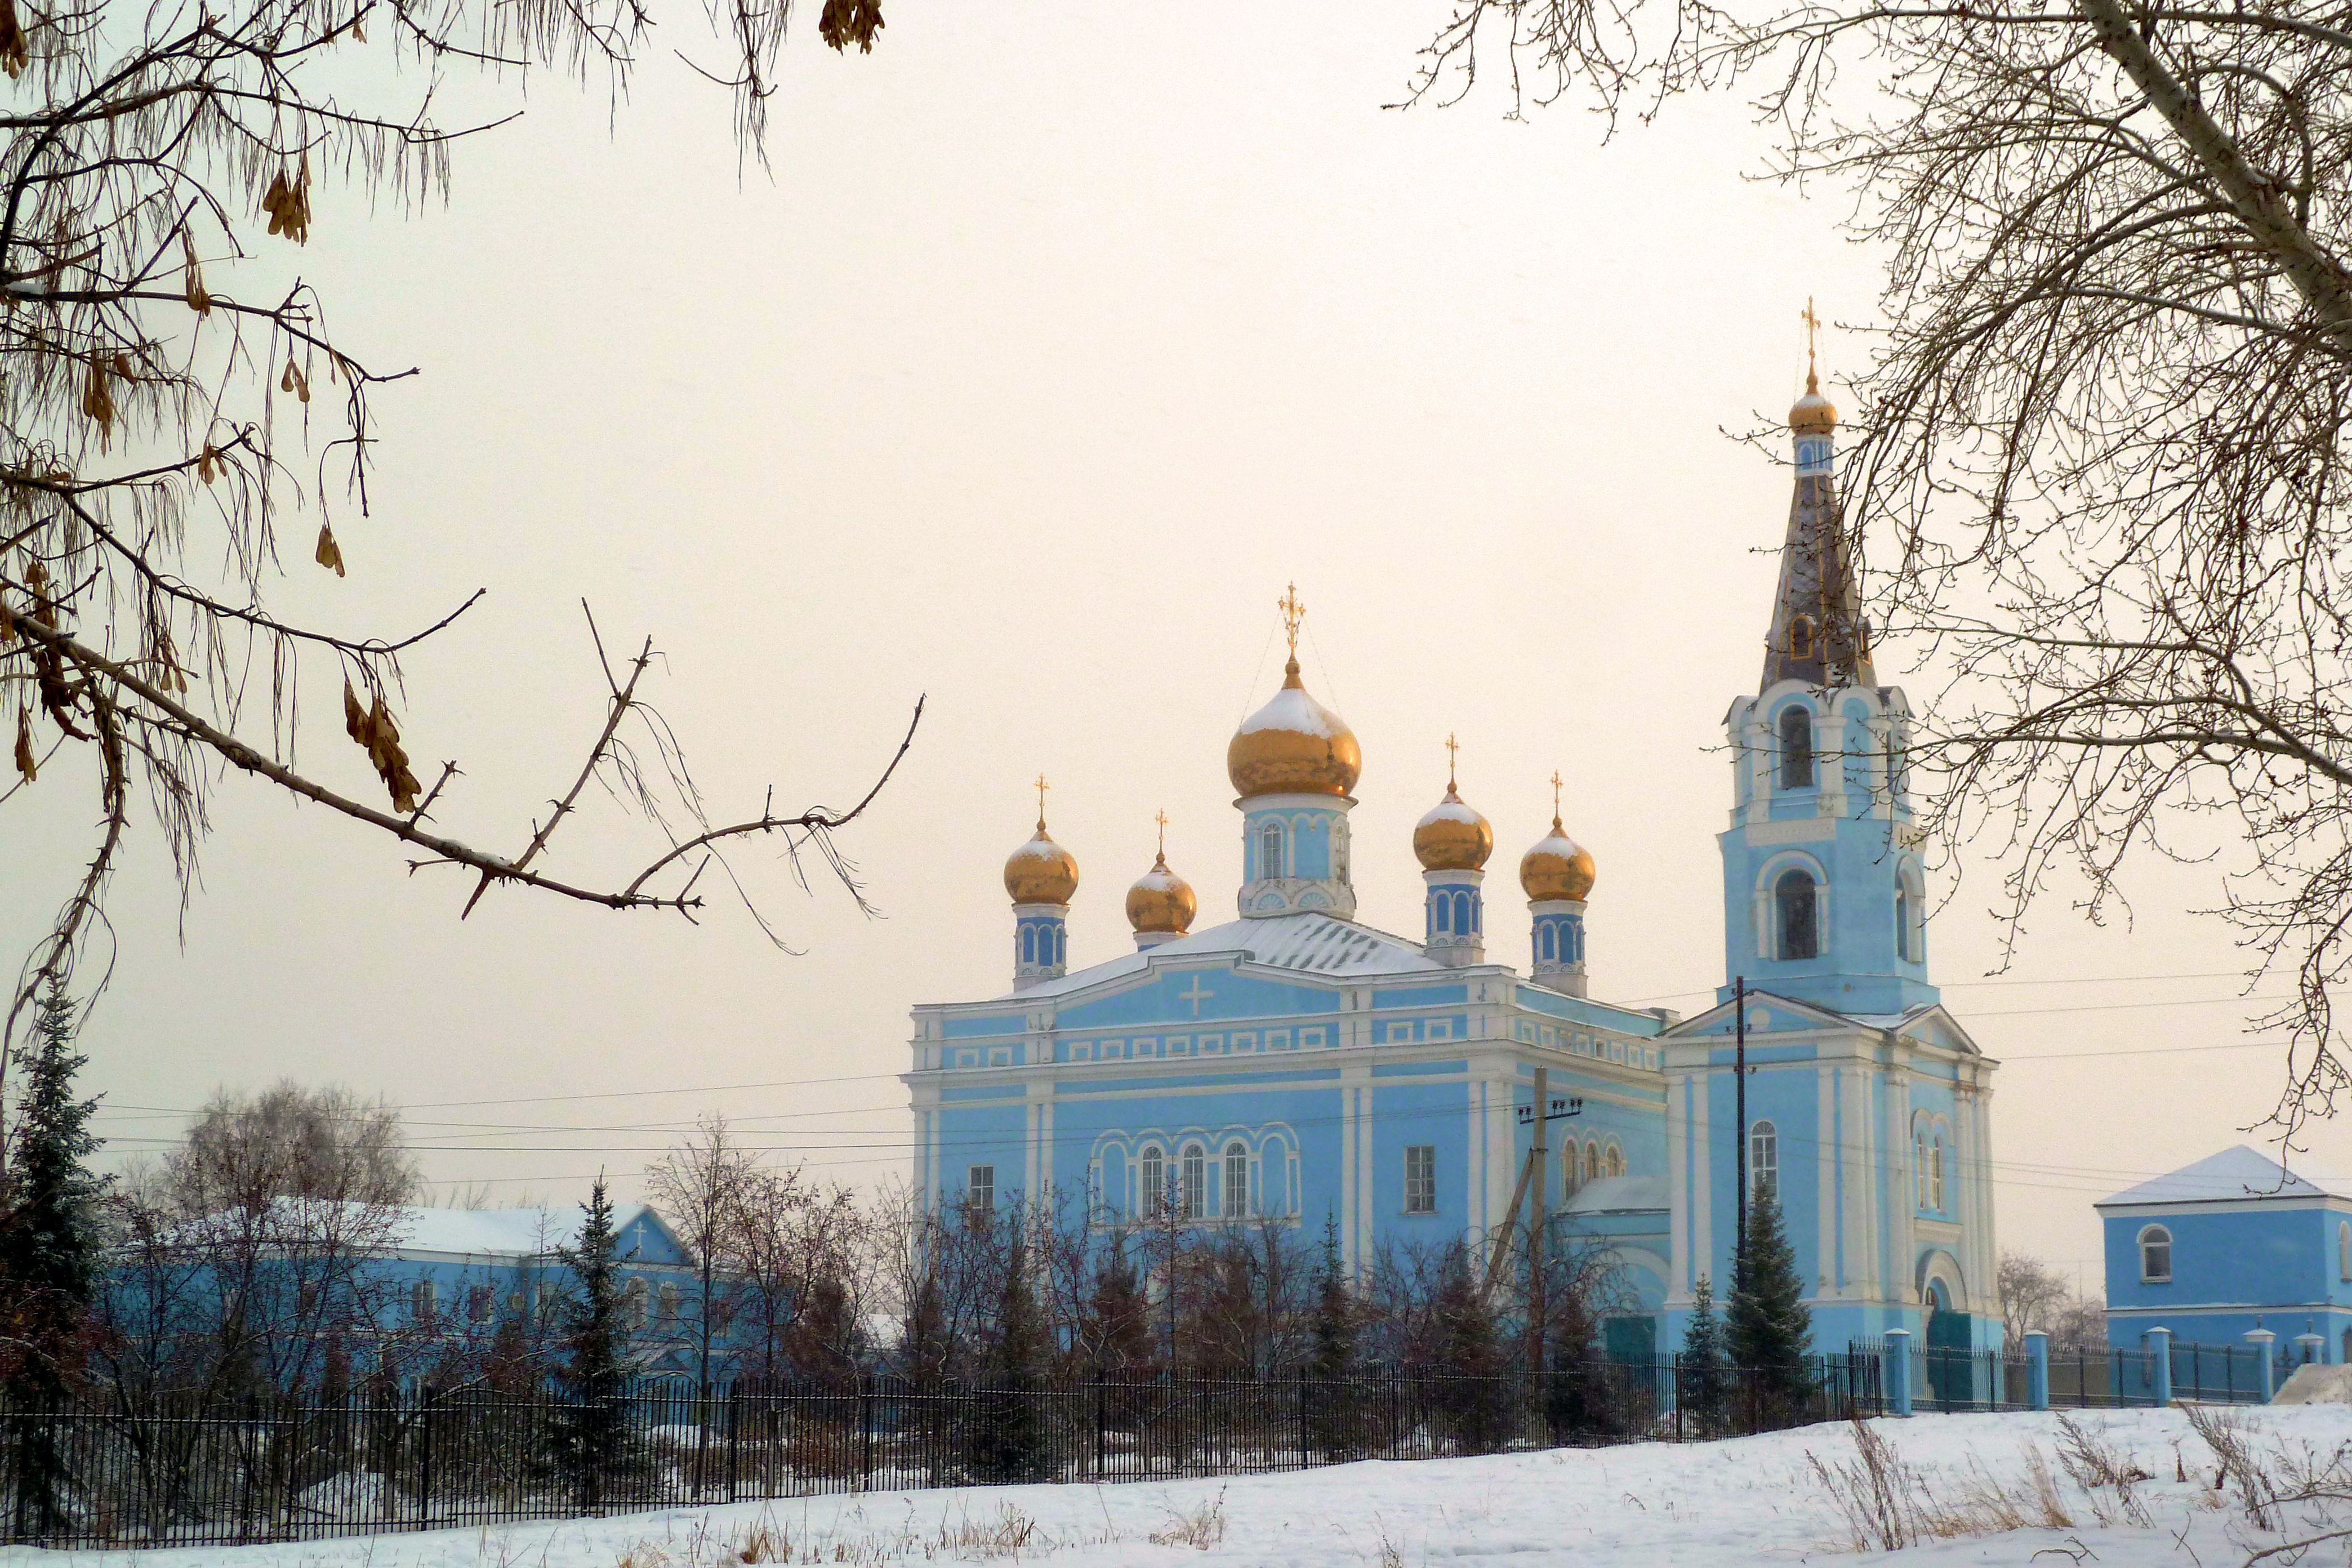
{"x": 1060, "y": 339}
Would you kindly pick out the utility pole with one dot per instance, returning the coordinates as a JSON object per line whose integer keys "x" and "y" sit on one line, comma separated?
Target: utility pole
{"x": 1541, "y": 1115}
{"x": 1739, "y": 1102}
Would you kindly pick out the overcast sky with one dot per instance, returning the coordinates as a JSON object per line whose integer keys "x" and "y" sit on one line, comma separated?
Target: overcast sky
{"x": 1060, "y": 339}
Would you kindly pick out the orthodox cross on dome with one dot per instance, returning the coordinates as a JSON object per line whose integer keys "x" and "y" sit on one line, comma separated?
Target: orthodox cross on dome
{"x": 1450, "y": 749}
{"x": 1041, "y": 787}
{"x": 1555, "y": 798}
{"x": 1293, "y": 612}
{"x": 1812, "y": 326}
{"x": 1161, "y": 819}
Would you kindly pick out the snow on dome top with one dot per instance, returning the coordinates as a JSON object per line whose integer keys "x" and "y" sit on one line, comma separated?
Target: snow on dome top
{"x": 1041, "y": 871}
{"x": 1294, "y": 745}
{"x": 1452, "y": 836}
{"x": 1556, "y": 867}
{"x": 1162, "y": 900}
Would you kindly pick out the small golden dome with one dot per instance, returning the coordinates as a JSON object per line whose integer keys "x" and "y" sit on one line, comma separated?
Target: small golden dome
{"x": 1041, "y": 871}
{"x": 1556, "y": 867}
{"x": 1293, "y": 745}
{"x": 1452, "y": 838}
{"x": 1812, "y": 414}
{"x": 1162, "y": 900}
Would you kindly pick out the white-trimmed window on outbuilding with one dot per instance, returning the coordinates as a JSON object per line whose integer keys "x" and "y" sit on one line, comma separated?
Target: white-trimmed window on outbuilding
{"x": 1763, "y": 1159}
{"x": 2156, "y": 1256}
{"x": 423, "y": 1302}
{"x": 635, "y": 1305}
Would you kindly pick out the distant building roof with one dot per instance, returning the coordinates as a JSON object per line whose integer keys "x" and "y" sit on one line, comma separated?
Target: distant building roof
{"x": 2233, "y": 1175}
{"x": 410, "y": 1229}
{"x": 1313, "y": 943}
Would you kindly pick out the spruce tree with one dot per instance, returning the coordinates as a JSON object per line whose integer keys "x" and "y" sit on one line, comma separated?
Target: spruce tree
{"x": 1120, "y": 1317}
{"x": 1335, "y": 1399}
{"x": 1011, "y": 1445}
{"x": 49, "y": 1247}
{"x": 1770, "y": 1330}
{"x": 1701, "y": 1385}
{"x": 589, "y": 1435}
{"x": 1469, "y": 1355}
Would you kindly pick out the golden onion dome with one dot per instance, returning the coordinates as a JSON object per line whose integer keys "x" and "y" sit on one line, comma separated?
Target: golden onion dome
{"x": 1041, "y": 871}
{"x": 1556, "y": 867}
{"x": 1293, "y": 745}
{"x": 1162, "y": 900}
{"x": 1812, "y": 414}
{"x": 1452, "y": 838}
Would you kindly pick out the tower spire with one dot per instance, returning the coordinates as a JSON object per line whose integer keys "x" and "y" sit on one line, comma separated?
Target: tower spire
{"x": 1817, "y": 633}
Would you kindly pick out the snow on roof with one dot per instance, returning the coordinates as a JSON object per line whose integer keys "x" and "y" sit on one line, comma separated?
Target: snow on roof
{"x": 1449, "y": 811}
{"x": 1619, "y": 1194}
{"x": 2233, "y": 1175}
{"x": 1292, "y": 709}
{"x": 1315, "y": 942}
{"x": 472, "y": 1232}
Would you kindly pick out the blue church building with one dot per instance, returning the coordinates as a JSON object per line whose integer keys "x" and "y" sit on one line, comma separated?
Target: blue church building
{"x": 1296, "y": 1064}
{"x": 2231, "y": 1244}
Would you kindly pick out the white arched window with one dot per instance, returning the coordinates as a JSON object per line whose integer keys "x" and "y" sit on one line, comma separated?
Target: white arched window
{"x": 1763, "y": 1159}
{"x": 1154, "y": 1182}
{"x": 1936, "y": 1170}
{"x": 1547, "y": 942}
{"x": 1793, "y": 914}
{"x": 1195, "y": 1179}
{"x": 1269, "y": 850}
{"x": 2156, "y": 1256}
{"x": 1571, "y": 1173}
{"x": 1920, "y": 1168}
{"x": 1236, "y": 1192}
{"x": 1616, "y": 1160}
{"x": 1028, "y": 944}
{"x": 1801, "y": 636}
{"x": 1796, "y": 747}
{"x": 1593, "y": 1162}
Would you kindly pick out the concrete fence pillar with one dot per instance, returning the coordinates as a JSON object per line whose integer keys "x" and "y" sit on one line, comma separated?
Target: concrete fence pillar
{"x": 2261, "y": 1340}
{"x": 2037, "y": 1369}
{"x": 1899, "y": 1372}
{"x": 2159, "y": 1348}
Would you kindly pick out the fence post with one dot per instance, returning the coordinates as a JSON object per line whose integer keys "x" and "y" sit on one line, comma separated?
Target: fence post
{"x": 1899, "y": 1372}
{"x": 2159, "y": 1342}
{"x": 423, "y": 1454}
{"x": 2037, "y": 1369}
{"x": 866, "y": 1433}
{"x": 2261, "y": 1340}
{"x": 1302, "y": 1420}
{"x": 1101, "y": 1426}
{"x": 733, "y": 1440}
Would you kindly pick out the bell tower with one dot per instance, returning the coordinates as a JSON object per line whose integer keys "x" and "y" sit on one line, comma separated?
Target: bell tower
{"x": 1823, "y": 886}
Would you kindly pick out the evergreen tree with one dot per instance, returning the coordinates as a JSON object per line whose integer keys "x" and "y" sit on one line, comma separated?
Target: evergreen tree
{"x": 1469, "y": 1358}
{"x": 49, "y": 1246}
{"x": 1120, "y": 1316}
{"x": 1336, "y": 1409}
{"x": 589, "y": 1433}
{"x": 1702, "y": 1385}
{"x": 1011, "y": 1445}
{"x": 1770, "y": 1330}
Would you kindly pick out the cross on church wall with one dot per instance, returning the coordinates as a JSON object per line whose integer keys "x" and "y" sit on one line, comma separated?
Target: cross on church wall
{"x": 1196, "y": 994}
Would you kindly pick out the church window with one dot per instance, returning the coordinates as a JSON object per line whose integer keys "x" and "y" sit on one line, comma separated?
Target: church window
{"x": 1421, "y": 1178}
{"x": 1902, "y": 925}
{"x": 1195, "y": 1182}
{"x": 634, "y": 1305}
{"x": 1569, "y": 1173}
{"x": 1796, "y": 747}
{"x": 1801, "y": 637}
{"x": 980, "y": 1193}
{"x": 1547, "y": 942}
{"x": 1593, "y": 1162}
{"x": 1919, "y": 1169}
{"x": 1763, "y": 1159}
{"x": 1154, "y": 1193}
{"x": 1616, "y": 1165}
{"x": 1936, "y": 1171}
{"x": 422, "y": 1301}
{"x": 1269, "y": 850}
{"x": 1028, "y": 944}
{"x": 668, "y": 1305}
{"x": 1237, "y": 1190}
{"x": 1441, "y": 912}
{"x": 477, "y": 1304}
{"x": 1793, "y": 902}
{"x": 2156, "y": 1256}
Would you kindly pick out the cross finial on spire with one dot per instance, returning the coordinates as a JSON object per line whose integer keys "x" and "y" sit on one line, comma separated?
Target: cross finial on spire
{"x": 1812, "y": 326}
{"x": 1293, "y": 612}
{"x": 1161, "y": 819}
{"x": 1041, "y": 787}
{"x": 1452, "y": 749}
{"x": 1555, "y": 798}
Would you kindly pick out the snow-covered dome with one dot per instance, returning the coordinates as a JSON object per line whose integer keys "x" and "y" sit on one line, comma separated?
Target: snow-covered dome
{"x": 1452, "y": 836}
{"x": 1041, "y": 871}
{"x": 1812, "y": 414}
{"x": 1162, "y": 900}
{"x": 1294, "y": 745}
{"x": 1556, "y": 867}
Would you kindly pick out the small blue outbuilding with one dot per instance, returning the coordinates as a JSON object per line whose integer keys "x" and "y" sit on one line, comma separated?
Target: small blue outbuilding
{"x": 2229, "y": 1244}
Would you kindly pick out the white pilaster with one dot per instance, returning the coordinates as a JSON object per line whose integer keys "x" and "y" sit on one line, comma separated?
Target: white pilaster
{"x": 1829, "y": 1159}
{"x": 1678, "y": 1191}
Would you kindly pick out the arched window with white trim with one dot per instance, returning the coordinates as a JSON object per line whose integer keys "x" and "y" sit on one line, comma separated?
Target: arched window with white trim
{"x": 1269, "y": 850}
{"x": 1236, "y": 1195}
{"x": 1593, "y": 1162}
{"x": 1153, "y": 1181}
{"x": 1195, "y": 1182}
{"x": 1935, "y": 1171}
{"x": 1796, "y": 747}
{"x": 2156, "y": 1256}
{"x": 1615, "y": 1164}
{"x": 1794, "y": 915}
{"x": 1763, "y": 1159}
{"x": 1571, "y": 1174}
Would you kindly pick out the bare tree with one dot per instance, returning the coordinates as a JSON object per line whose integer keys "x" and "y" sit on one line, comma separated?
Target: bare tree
{"x": 2031, "y": 1294}
{"x": 2102, "y": 471}
{"x": 705, "y": 1186}
{"x": 291, "y": 1141}
{"x": 173, "y": 405}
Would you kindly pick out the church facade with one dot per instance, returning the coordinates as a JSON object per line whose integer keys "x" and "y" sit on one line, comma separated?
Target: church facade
{"x": 1296, "y": 1066}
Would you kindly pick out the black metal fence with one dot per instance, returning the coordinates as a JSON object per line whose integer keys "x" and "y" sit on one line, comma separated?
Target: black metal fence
{"x": 278, "y": 1469}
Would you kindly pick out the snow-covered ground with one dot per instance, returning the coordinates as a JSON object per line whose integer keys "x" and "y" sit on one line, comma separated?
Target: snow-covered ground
{"x": 1719, "y": 1505}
